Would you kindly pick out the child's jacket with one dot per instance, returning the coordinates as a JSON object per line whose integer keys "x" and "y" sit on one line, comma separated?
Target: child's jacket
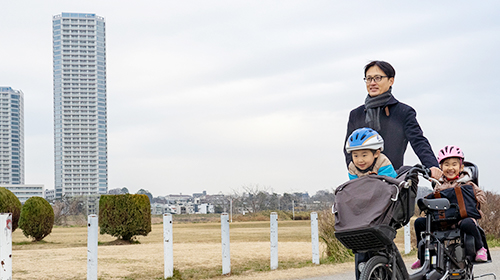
{"x": 464, "y": 179}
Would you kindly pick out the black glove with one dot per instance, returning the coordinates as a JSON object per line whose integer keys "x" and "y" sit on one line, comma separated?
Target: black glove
{"x": 412, "y": 177}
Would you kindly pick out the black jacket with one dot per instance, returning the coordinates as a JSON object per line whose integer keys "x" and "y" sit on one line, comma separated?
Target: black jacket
{"x": 397, "y": 129}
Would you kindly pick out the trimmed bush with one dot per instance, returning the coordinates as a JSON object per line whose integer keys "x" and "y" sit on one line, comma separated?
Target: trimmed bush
{"x": 37, "y": 218}
{"x": 9, "y": 203}
{"x": 125, "y": 215}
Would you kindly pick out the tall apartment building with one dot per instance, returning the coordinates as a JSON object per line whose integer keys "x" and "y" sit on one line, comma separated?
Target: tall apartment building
{"x": 80, "y": 120}
{"x": 11, "y": 136}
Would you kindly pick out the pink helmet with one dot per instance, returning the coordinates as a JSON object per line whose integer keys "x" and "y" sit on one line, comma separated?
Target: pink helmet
{"x": 449, "y": 152}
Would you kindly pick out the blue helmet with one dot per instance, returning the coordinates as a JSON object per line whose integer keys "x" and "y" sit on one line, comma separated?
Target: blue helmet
{"x": 364, "y": 138}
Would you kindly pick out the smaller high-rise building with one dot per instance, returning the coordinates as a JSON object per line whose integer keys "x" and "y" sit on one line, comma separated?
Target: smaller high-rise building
{"x": 24, "y": 192}
{"x": 11, "y": 136}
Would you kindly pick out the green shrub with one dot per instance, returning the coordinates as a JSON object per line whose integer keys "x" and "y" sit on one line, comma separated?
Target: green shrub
{"x": 335, "y": 251}
{"x": 9, "y": 203}
{"x": 125, "y": 215}
{"x": 37, "y": 218}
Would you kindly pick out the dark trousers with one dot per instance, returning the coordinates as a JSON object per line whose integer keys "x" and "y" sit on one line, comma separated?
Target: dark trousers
{"x": 419, "y": 228}
{"x": 467, "y": 225}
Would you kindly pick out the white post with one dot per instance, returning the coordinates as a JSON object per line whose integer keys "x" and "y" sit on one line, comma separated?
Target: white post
{"x": 315, "y": 238}
{"x": 274, "y": 240}
{"x": 92, "y": 247}
{"x": 6, "y": 246}
{"x": 407, "y": 239}
{"x": 226, "y": 254}
{"x": 168, "y": 247}
{"x": 293, "y": 210}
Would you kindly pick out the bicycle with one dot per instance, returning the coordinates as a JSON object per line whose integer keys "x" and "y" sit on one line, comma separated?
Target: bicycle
{"x": 448, "y": 253}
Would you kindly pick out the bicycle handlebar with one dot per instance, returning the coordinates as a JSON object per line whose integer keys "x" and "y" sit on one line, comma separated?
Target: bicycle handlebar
{"x": 422, "y": 170}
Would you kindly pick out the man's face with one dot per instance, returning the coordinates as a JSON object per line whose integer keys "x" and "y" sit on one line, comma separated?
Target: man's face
{"x": 375, "y": 88}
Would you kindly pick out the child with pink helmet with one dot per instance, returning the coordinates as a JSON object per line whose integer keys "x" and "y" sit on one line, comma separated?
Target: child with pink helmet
{"x": 451, "y": 162}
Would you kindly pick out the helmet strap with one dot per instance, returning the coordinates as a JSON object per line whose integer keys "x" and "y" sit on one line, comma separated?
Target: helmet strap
{"x": 449, "y": 180}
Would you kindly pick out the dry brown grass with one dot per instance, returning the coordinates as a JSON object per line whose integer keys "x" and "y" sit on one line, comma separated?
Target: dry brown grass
{"x": 197, "y": 253}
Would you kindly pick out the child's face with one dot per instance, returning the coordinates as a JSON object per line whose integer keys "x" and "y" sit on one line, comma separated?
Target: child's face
{"x": 451, "y": 168}
{"x": 363, "y": 159}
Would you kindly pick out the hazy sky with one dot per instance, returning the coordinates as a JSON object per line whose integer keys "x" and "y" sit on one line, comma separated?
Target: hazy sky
{"x": 216, "y": 95}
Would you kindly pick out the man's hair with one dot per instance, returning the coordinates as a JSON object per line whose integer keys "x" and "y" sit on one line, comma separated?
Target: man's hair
{"x": 384, "y": 66}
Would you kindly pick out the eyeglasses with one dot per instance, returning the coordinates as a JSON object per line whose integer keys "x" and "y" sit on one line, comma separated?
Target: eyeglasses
{"x": 377, "y": 79}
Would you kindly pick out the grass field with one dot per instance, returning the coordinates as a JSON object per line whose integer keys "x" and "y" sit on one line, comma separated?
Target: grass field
{"x": 197, "y": 253}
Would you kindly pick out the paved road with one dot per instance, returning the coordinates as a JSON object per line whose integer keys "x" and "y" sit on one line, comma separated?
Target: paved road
{"x": 494, "y": 267}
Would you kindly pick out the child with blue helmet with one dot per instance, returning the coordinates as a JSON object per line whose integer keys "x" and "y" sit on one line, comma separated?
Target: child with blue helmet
{"x": 366, "y": 146}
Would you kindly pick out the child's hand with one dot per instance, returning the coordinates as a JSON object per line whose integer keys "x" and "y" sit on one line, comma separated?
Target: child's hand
{"x": 436, "y": 173}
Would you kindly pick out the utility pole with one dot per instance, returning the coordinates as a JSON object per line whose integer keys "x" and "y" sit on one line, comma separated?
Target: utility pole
{"x": 231, "y": 209}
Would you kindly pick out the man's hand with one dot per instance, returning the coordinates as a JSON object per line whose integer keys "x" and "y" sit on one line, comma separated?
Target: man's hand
{"x": 436, "y": 173}
{"x": 413, "y": 177}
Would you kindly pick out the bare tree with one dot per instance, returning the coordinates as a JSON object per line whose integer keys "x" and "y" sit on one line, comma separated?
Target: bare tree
{"x": 274, "y": 201}
{"x": 220, "y": 202}
{"x": 239, "y": 205}
{"x": 255, "y": 198}
{"x": 324, "y": 199}
{"x": 70, "y": 208}
{"x": 60, "y": 213}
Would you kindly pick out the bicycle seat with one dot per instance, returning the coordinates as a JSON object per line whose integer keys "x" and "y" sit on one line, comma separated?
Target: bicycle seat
{"x": 434, "y": 204}
{"x": 474, "y": 171}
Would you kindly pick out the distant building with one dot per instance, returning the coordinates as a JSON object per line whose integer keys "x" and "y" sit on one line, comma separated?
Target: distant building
{"x": 205, "y": 208}
{"x": 80, "y": 114}
{"x": 11, "y": 136}
{"x": 93, "y": 204}
{"x": 178, "y": 198}
{"x": 160, "y": 209}
{"x": 184, "y": 208}
{"x": 197, "y": 195}
{"x": 50, "y": 195}
{"x": 23, "y": 192}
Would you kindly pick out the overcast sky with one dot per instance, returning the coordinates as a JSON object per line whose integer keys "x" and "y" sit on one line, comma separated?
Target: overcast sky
{"x": 216, "y": 95}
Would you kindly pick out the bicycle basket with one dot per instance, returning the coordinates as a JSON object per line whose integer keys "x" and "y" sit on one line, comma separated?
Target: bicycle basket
{"x": 366, "y": 239}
